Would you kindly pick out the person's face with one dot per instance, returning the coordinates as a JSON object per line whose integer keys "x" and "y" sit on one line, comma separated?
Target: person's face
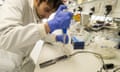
{"x": 64, "y": 1}
{"x": 43, "y": 9}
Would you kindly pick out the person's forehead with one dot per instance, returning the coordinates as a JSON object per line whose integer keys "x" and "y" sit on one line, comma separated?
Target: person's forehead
{"x": 45, "y": 4}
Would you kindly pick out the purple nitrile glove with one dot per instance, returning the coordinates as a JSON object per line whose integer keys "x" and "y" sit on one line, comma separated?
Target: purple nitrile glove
{"x": 60, "y": 38}
{"x": 61, "y": 20}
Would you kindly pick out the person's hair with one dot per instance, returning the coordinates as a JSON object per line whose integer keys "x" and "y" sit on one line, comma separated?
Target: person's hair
{"x": 54, "y": 4}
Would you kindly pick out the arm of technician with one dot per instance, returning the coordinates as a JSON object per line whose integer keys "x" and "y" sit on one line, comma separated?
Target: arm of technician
{"x": 20, "y": 38}
{"x": 15, "y": 35}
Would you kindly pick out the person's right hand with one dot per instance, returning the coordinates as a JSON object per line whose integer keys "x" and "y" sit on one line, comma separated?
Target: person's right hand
{"x": 61, "y": 20}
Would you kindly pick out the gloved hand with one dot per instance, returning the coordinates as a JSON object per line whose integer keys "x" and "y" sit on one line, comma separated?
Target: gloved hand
{"x": 61, "y": 20}
{"x": 60, "y": 38}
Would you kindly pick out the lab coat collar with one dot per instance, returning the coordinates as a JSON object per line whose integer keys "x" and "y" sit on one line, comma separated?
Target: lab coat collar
{"x": 31, "y": 4}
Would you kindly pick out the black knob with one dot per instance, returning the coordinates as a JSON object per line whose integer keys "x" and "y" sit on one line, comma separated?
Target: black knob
{"x": 90, "y": 13}
{"x": 119, "y": 46}
{"x": 108, "y": 9}
{"x": 119, "y": 33}
{"x": 74, "y": 10}
{"x": 69, "y": 2}
{"x": 80, "y": 8}
{"x": 92, "y": 9}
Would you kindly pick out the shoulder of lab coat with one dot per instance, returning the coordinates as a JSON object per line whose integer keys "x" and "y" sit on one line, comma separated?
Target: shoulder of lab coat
{"x": 14, "y": 35}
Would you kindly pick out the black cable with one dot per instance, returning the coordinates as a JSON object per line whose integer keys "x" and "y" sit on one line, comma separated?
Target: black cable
{"x": 101, "y": 58}
{"x": 118, "y": 69}
{"x": 53, "y": 61}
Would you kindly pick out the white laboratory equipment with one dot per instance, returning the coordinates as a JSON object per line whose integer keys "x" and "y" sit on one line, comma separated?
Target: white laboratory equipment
{"x": 98, "y": 26}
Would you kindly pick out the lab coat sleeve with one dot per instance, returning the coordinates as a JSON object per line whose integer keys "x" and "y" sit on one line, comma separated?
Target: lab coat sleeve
{"x": 9, "y": 62}
{"x": 12, "y": 32}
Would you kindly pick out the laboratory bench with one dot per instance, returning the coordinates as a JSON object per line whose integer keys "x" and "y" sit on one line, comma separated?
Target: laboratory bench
{"x": 84, "y": 62}
{"x": 100, "y": 43}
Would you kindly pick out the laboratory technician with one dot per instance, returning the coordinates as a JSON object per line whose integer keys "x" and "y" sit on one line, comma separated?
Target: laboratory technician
{"x": 21, "y": 28}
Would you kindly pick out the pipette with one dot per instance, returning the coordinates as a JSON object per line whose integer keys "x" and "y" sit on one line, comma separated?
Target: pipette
{"x": 64, "y": 30}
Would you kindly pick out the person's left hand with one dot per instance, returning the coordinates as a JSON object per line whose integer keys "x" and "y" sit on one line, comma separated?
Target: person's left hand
{"x": 60, "y": 38}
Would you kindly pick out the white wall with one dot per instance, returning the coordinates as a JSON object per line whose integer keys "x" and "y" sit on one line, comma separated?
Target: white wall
{"x": 100, "y": 7}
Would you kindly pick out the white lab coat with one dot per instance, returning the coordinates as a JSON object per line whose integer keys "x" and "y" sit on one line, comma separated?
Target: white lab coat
{"x": 20, "y": 28}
